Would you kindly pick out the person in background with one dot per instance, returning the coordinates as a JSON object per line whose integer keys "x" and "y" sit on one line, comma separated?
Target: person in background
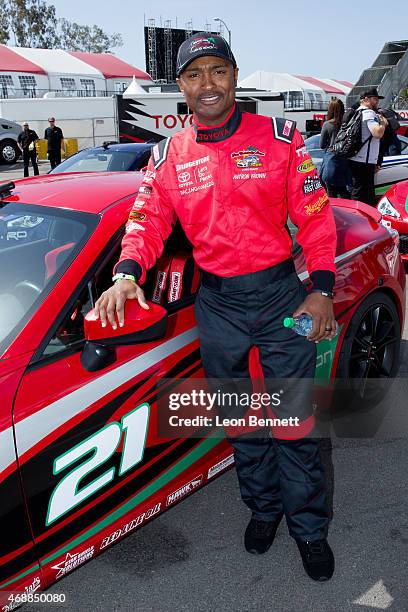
{"x": 26, "y": 142}
{"x": 335, "y": 172}
{"x": 55, "y": 138}
{"x": 390, "y": 143}
{"x": 364, "y": 164}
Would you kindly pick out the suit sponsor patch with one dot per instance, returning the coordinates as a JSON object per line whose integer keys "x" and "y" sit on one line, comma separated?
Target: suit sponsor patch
{"x": 311, "y": 184}
{"x": 137, "y": 216}
{"x": 306, "y": 166}
{"x": 317, "y": 205}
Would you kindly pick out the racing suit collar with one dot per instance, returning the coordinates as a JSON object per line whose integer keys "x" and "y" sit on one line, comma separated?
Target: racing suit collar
{"x": 215, "y": 133}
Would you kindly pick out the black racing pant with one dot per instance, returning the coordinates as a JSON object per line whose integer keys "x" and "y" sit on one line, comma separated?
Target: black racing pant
{"x": 275, "y": 476}
{"x": 54, "y": 158}
{"x": 27, "y": 157}
{"x": 363, "y": 182}
{"x": 337, "y": 192}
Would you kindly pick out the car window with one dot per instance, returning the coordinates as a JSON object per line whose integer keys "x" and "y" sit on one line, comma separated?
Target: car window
{"x": 37, "y": 244}
{"x": 109, "y": 160}
{"x": 70, "y": 332}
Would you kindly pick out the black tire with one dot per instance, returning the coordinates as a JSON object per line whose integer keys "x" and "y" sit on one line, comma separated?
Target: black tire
{"x": 370, "y": 354}
{"x": 9, "y": 152}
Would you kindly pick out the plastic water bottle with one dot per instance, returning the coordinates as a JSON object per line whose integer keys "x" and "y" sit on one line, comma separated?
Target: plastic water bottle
{"x": 301, "y": 325}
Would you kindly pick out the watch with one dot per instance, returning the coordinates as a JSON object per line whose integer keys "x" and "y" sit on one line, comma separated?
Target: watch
{"x": 328, "y": 294}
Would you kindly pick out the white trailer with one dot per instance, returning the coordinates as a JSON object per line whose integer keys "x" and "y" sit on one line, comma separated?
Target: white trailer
{"x": 156, "y": 115}
{"x": 91, "y": 120}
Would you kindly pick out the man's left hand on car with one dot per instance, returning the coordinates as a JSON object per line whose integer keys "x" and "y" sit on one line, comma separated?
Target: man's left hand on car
{"x": 320, "y": 308}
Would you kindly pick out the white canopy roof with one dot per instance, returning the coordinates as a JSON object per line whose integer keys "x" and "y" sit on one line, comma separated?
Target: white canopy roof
{"x": 57, "y": 61}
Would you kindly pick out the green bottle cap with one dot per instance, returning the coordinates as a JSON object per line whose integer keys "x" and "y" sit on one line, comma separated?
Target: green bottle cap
{"x": 289, "y": 322}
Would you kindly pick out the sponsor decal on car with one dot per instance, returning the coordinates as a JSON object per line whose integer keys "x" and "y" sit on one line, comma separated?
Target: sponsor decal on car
{"x": 220, "y": 466}
{"x": 248, "y": 158}
{"x": 130, "y": 526}
{"x": 137, "y": 216}
{"x": 317, "y": 205}
{"x": 311, "y": 184}
{"x": 184, "y": 490}
{"x": 72, "y": 561}
{"x": 17, "y": 599}
{"x": 191, "y": 164}
{"x": 306, "y": 166}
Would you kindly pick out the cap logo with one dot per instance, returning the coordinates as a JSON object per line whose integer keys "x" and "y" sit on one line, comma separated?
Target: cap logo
{"x": 201, "y": 44}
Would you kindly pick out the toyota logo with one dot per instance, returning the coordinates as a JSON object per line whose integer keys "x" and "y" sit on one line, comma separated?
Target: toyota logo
{"x": 184, "y": 177}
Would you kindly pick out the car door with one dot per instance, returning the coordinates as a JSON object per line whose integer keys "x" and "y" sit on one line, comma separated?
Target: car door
{"x": 89, "y": 453}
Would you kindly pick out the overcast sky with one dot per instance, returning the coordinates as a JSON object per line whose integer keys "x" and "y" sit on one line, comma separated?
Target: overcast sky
{"x": 319, "y": 38}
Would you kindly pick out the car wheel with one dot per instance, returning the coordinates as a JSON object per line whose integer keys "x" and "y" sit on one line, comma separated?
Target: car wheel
{"x": 8, "y": 152}
{"x": 369, "y": 356}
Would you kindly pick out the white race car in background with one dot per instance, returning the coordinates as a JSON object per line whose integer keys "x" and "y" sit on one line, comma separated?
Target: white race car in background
{"x": 393, "y": 169}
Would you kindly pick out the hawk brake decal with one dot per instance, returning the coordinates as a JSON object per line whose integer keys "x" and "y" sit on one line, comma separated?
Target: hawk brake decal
{"x": 68, "y": 493}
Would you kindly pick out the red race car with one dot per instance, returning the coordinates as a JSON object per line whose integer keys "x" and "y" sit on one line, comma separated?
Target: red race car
{"x": 394, "y": 208}
{"x": 81, "y": 462}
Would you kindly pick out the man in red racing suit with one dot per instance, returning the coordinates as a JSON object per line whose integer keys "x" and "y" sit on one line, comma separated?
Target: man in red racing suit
{"x": 232, "y": 179}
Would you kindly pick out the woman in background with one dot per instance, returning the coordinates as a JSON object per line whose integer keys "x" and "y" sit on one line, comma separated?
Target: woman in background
{"x": 335, "y": 172}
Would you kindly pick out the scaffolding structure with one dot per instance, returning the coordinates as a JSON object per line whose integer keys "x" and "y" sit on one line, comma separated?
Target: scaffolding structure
{"x": 168, "y": 52}
{"x": 152, "y": 49}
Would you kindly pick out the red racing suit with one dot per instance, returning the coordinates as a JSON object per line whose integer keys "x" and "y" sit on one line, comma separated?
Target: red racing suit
{"x": 232, "y": 187}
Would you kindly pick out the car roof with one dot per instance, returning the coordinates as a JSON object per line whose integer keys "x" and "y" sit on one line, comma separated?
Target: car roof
{"x": 87, "y": 192}
{"x": 122, "y": 146}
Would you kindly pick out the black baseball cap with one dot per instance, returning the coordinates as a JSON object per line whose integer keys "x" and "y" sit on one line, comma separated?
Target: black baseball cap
{"x": 371, "y": 93}
{"x": 199, "y": 45}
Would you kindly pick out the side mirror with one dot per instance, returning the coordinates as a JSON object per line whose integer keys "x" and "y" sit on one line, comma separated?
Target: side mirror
{"x": 140, "y": 326}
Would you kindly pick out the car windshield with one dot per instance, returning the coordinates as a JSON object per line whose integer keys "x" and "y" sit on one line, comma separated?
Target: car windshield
{"x": 109, "y": 160}
{"x": 404, "y": 144}
{"x": 37, "y": 244}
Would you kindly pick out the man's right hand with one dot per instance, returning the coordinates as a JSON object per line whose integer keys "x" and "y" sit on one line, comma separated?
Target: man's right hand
{"x": 112, "y": 301}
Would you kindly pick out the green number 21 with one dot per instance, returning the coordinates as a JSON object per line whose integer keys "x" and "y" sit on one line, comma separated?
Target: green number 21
{"x": 68, "y": 492}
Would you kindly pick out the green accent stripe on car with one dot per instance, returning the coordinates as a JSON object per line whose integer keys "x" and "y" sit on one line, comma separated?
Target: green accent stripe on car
{"x": 33, "y": 568}
{"x": 198, "y": 452}
{"x": 326, "y": 349}
{"x": 383, "y": 189}
{"x": 406, "y": 204}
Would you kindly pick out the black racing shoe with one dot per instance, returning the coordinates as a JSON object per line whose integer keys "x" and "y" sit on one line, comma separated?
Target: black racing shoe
{"x": 318, "y": 559}
{"x": 259, "y": 535}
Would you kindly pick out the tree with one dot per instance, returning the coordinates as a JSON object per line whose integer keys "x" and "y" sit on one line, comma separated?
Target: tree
{"x": 93, "y": 39}
{"x": 4, "y": 35}
{"x": 33, "y": 23}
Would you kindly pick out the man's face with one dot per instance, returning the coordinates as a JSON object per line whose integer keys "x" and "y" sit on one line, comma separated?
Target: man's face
{"x": 51, "y": 122}
{"x": 372, "y": 102}
{"x": 25, "y": 126}
{"x": 208, "y": 84}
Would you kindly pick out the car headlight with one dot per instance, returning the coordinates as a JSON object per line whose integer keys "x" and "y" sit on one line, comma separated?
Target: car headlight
{"x": 386, "y": 208}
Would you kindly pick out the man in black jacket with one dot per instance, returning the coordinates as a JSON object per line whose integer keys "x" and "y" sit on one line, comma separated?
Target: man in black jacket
{"x": 55, "y": 139}
{"x": 26, "y": 142}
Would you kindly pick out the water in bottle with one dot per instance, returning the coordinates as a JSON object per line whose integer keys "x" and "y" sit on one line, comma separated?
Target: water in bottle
{"x": 302, "y": 325}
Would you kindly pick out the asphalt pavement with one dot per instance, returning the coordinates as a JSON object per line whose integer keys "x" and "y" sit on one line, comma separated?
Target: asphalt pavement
{"x": 192, "y": 558}
{"x": 15, "y": 171}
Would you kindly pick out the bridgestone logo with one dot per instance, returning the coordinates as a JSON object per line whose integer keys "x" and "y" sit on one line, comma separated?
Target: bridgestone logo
{"x": 222, "y": 465}
{"x": 195, "y": 162}
{"x": 160, "y": 284}
{"x": 184, "y": 490}
{"x": 175, "y": 286}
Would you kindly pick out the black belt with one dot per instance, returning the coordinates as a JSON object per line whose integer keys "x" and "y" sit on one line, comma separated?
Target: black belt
{"x": 254, "y": 280}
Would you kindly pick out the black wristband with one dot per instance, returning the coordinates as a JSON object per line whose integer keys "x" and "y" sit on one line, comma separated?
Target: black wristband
{"x": 323, "y": 280}
{"x": 128, "y": 266}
